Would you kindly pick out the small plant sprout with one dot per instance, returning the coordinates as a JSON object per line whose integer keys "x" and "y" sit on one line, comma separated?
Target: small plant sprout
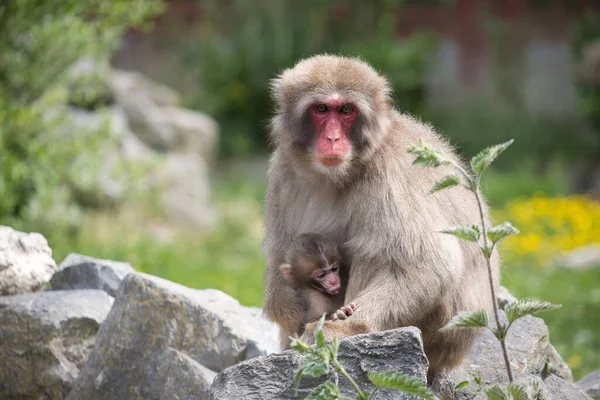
{"x": 322, "y": 359}
{"x": 487, "y": 238}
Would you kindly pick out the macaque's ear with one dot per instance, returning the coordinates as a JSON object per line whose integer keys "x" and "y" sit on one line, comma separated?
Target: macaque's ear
{"x": 286, "y": 270}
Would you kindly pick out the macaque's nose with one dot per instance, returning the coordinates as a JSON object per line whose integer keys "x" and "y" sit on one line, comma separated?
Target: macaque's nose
{"x": 334, "y": 131}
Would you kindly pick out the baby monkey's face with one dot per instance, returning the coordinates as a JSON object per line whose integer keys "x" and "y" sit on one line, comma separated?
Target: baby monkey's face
{"x": 326, "y": 275}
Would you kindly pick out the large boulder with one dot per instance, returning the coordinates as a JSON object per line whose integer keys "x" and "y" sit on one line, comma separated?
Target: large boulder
{"x": 591, "y": 384}
{"x": 155, "y": 325}
{"x": 154, "y": 117}
{"x": 272, "y": 376}
{"x": 183, "y": 182}
{"x": 561, "y": 389}
{"x": 528, "y": 350}
{"x": 82, "y": 272}
{"x": 26, "y": 262}
{"x": 45, "y": 339}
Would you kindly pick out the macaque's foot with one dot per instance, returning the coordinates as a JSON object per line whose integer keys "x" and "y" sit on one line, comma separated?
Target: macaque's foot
{"x": 343, "y": 312}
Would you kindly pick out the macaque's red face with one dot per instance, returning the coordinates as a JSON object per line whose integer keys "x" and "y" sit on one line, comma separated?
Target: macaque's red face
{"x": 328, "y": 279}
{"x": 333, "y": 120}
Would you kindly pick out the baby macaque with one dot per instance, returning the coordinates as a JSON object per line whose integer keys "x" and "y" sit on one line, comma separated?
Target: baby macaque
{"x": 314, "y": 268}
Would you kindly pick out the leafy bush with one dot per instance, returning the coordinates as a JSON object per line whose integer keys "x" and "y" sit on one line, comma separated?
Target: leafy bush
{"x": 241, "y": 45}
{"x": 39, "y": 41}
{"x": 587, "y": 32}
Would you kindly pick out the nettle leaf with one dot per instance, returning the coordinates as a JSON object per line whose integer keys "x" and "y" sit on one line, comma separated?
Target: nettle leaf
{"x": 326, "y": 391}
{"x": 333, "y": 347}
{"x": 427, "y": 156}
{"x": 468, "y": 319}
{"x": 517, "y": 392}
{"x": 481, "y": 161}
{"x": 399, "y": 381}
{"x": 520, "y": 308}
{"x": 500, "y": 332}
{"x": 319, "y": 333}
{"x": 445, "y": 182}
{"x": 461, "y": 385}
{"x": 313, "y": 366}
{"x": 300, "y": 346}
{"x": 470, "y": 233}
{"x": 501, "y": 231}
{"x": 497, "y": 393}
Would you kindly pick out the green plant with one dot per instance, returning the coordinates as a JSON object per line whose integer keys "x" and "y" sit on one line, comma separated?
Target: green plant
{"x": 39, "y": 41}
{"x": 241, "y": 45}
{"x": 487, "y": 238}
{"x": 322, "y": 359}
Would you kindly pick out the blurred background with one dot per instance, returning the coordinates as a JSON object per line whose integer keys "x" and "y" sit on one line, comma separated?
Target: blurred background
{"x": 135, "y": 130}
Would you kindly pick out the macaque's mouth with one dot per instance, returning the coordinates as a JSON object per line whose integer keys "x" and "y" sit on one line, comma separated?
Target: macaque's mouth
{"x": 331, "y": 160}
{"x": 334, "y": 291}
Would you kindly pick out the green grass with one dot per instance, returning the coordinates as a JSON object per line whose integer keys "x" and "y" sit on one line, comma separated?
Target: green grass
{"x": 229, "y": 258}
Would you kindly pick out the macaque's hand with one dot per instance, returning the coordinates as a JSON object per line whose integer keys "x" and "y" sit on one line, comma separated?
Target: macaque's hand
{"x": 343, "y": 312}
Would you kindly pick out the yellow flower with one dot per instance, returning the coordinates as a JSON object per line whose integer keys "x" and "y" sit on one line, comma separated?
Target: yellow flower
{"x": 550, "y": 225}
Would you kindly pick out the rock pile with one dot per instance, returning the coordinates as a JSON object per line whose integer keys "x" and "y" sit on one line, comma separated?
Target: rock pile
{"x": 169, "y": 147}
{"x": 105, "y": 331}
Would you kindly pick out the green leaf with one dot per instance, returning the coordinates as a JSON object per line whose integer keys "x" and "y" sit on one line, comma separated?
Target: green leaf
{"x": 363, "y": 396}
{"x": 482, "y": 161}
{"x": 468, "y": 319}
{"x": 461, "y": 385}
{"x": 397, "y": 380}
{"x": 445, "y": 182}
{"x": 517, "y": 391}
{"x": 332, "y": 348}
{"x": 326, "y": 391}
{"x": 478, "y": 378}
{"x": 486, "y": 250}
{"x": 501, "y": 231}
{"x": 300, "y": 346}
{"x": 470, "y": 233}
{"x": 520, "y": 308}
{"x": 497, "y": 393}
{"x": 500, "y": 332}
{"x": 313, "y": 366}
{"x": 319, "y": 334}
{"x": 427, "y": 156}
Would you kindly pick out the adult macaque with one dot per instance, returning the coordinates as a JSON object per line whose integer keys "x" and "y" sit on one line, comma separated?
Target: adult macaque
{"x": 313, "y": 267}
{"x": 341, "y": 168}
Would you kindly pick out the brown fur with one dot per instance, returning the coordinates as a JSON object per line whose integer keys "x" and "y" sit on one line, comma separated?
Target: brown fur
{"x": 404, "y": 272}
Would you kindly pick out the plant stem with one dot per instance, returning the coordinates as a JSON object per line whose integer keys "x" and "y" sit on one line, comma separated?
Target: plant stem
{"x": 490, "y": 276}
{"x": 342, "y": 371}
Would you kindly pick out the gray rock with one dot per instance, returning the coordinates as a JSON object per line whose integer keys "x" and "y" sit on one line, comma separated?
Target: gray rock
{"x": 558, "y": 366}
{"x": 272, "y": 376}
{"x": 45, "y": 339}
{"x": 129, "y": 83}
{"x": 581, "y": 258}
{"x": 151, "y": 316}
{"x": 561, "y": 389}
{"x": 26, "y": 262}
{"x": 196, "y": 132}
{"x": 528, "y": 348}
{"x": 180, "y": 377}
{"x": 82, "y": 272}
{"x": 185, "y": 190}
{"x": 591, "y": 384}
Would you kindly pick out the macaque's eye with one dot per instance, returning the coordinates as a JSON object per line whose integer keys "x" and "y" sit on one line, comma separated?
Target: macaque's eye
{"x": 346, "y": 109}
{"x": 335, "y": 268}
{"x": 321, "y": 108}
{"x": 321, "y": 275}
